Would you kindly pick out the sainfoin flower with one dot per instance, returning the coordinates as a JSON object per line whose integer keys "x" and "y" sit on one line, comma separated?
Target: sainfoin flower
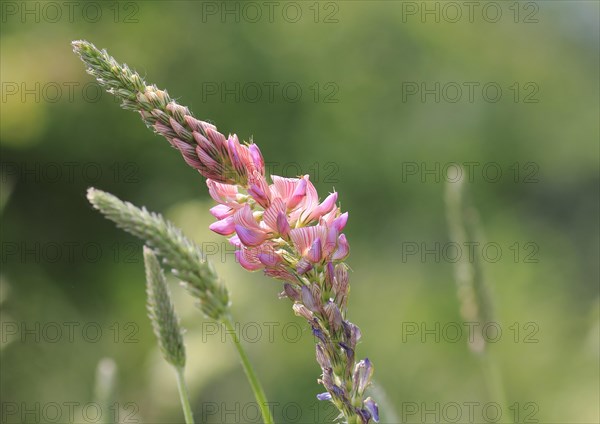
{"x": 277, "y": 224}
{"x": 282, "y": 228}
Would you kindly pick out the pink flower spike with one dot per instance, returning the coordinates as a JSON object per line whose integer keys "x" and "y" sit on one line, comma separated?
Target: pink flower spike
{"x": 340, "y": 222}
{"x": 250, "y": 237}
{"x": 221, "y": 211}
{"x": 315, "y": 252}
{"x": 225, "y": 227}
{"x": 257, "y": 158}
{"x": 342, "y": 250}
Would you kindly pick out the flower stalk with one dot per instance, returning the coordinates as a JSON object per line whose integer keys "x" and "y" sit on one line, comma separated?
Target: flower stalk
{"x": 282, "y": 227}
{"x": 476, "y": 303}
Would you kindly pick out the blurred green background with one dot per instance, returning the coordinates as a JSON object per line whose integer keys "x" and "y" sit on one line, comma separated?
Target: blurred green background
{"x": 72, "y": 285}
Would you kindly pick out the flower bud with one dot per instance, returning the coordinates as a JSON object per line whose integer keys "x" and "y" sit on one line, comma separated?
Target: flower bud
{"x": 362, "y": 375}
{"x": 302, "y": 311}
{"x": 372, "y": 407}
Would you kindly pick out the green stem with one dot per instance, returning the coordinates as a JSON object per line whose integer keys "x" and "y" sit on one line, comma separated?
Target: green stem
{"x": 493, "y": 381}
{"x": 183, "y": 395}
{"x": 259, "y": 394}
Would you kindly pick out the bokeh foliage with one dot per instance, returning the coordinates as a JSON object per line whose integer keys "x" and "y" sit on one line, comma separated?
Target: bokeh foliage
{"x": 369, "y": 135}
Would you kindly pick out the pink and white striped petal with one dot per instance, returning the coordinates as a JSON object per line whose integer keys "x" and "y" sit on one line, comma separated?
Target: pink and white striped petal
{"x": 225, "y": 194}
{"x": 245, "y": 218}
{"x": 221, "y": 211}
{"x": 272, "y": 213}
{"x": 259, "y": 189}
{"x": 283, "y": 187}
{"x": 283, "y": 226}
{"x": 303, "y": 238}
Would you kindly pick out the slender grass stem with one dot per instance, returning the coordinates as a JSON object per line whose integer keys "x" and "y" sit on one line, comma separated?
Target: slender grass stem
{"x": 259, "y": 393}
{"x": 494, "y": 383}
{"x": 183, "y": 395}
{"x": 474, "y": 294}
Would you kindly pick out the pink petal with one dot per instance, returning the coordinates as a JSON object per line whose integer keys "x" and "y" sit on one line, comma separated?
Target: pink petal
{"x": 269, "y": 259}
{"x": 246, "y": 262}
{"x": 342, "y": 250}
{"x": 330, "y": 242}
{"x": 324, "y": 207}
{"x": 315, "y": 252}
{"x": 225, "y": 227}
{"x": 235, "y": 241}
{"x": 257, "y": 158}
{"x": 340, "y": 222}
{"x": 298, "y": 194}
{"x": 259, "y": 189}
{"x": 281, "y": 274}
{"x": 303, "y": 238}
{"x": 329, "y": 217}
{"x": 312, "y": 197}
{"x": 245, "y": 218}
{"x": 221, "y": 211}
{"x": 283, "y": 226}
{"x": 271, "y": 214}
{"x": 222, "y": 193}
{"x": 250, "y": 237}
{"x": 284, "y": 187}
{"x": 303, "y": 266}
{"x": 257, "y": 194}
